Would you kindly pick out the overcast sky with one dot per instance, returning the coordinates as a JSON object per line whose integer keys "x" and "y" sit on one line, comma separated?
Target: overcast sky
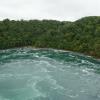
{"x": 48, "y": 9}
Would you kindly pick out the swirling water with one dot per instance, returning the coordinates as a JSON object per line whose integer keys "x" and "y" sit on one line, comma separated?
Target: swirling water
{"x": 47, "y": 74}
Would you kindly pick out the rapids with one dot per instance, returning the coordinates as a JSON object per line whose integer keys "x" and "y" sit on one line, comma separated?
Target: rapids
{"x": 48, "y": 74}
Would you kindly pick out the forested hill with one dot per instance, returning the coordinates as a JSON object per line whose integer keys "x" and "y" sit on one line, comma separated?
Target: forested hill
{"x": 82, "y": 35}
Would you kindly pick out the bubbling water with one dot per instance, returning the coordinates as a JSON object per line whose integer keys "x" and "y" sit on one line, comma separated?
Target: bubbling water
{"x": 47, "y": 74}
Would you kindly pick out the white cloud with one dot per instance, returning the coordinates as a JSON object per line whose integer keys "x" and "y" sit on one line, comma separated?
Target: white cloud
{"x": 49, "y": 9}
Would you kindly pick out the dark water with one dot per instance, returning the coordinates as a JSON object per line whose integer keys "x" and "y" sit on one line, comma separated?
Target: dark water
{"x": 27, "y": 74}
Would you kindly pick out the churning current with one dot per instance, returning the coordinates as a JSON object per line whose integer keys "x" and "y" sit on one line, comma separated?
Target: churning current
{"x": 47, "y": 74}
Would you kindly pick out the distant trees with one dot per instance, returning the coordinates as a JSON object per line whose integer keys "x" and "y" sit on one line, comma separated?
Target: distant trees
{"x": 82, "y": 35}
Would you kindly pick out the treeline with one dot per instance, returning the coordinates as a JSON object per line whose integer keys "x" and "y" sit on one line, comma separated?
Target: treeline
{"x": 82, "y": 35}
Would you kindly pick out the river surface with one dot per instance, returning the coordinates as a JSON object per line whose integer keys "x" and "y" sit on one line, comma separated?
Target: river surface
{"x": 47, "y": 74}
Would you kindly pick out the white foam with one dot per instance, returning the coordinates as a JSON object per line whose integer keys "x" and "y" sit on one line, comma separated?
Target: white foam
{"x": 73, "y": 96}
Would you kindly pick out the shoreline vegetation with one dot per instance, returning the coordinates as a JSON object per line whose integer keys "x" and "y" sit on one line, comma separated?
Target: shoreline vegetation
{"x": 82, "y": 36}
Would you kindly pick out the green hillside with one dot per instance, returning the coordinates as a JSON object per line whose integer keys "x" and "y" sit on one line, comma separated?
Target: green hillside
{"x": 81, "y": 36}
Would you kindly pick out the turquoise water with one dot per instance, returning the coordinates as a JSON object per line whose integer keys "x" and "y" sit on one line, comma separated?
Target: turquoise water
{"x": 40, "y": 74}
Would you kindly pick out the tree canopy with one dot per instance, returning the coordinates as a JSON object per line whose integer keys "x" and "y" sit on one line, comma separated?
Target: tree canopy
{"x": 82, "y": 35}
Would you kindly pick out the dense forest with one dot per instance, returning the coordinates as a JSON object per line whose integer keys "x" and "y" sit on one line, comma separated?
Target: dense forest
{"x": 81, "y": 36}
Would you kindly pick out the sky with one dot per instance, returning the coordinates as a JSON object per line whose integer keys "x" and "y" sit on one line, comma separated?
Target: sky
{"x": 63, "y": 10}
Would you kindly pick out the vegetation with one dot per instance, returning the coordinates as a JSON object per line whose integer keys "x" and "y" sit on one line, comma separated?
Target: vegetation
{"x": 82, "y": 35}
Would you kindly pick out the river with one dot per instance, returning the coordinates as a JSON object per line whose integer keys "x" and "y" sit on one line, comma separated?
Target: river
{"x": 48, "y": 74}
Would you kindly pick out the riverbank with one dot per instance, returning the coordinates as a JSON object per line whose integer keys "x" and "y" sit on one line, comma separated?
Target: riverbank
{"x": 81, "y": 36}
